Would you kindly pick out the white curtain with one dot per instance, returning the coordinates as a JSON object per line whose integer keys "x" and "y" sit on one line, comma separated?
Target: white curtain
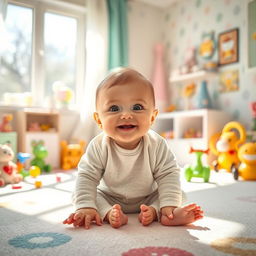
{"x": 96, "y": 65}
{"x": 3, "y": 37}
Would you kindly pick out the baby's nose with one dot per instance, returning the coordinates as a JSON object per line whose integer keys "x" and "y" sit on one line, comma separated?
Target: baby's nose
{"x": 126, "y": 115}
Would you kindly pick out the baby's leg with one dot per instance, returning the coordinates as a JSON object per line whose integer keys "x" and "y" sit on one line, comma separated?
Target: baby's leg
{"x": 147, "y": 215}
{"x": 183, "y": 215}
{"x": 116, "y": 217}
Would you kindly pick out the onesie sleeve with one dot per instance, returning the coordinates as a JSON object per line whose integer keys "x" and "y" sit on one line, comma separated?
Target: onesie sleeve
{"x": 90, "y": 171}
{"x": 167, "y": 176}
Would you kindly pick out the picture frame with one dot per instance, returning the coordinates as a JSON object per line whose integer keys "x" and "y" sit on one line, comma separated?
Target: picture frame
{"x": 228, "y": 47}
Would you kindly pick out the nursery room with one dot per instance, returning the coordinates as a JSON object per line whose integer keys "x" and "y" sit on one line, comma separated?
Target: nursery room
{"x": 166, "y": 145}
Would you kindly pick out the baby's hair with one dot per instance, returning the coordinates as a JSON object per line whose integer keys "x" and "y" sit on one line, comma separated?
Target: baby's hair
{"x": 123, "y": 75}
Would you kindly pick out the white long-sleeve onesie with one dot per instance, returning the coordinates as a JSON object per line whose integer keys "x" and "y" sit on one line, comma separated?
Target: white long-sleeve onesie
{"x": 128, "y": 174}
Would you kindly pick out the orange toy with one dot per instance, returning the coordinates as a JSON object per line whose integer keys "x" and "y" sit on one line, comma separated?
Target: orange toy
{"x": 225, "y": 145}
{"x": 5, "y": 126}
{"x": 247, "y": 156}
{"x": 71, "y": 154}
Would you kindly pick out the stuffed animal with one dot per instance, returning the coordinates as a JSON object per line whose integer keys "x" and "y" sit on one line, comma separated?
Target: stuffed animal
{"x": 8, "y": 169}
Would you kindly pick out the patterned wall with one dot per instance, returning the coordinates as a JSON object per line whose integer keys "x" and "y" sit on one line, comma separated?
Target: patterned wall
{"x": 181, "y": 26}
{"x": 184, "y": 24}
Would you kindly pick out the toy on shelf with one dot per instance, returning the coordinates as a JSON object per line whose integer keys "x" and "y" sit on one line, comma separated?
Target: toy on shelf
{"x": 40, "y": 152}
{"x": 204, "y": 100}
{"x": 167, "y": 134}
{"x": 34, "y": 127}
{"x": 8, "y": 169}
{"x": 190, "y": 62}
{"x": 187, "y": 93}
{"x": 5, "y": 126}
{"x": 225, "y": 145}
{"x": 247, "y": 157}
{"x": 198, "y": 170}
{"x": 21, "y": 159}
{"x": 71, "y": 154}
{"x": 192, "y": 133}
{"x": 170, "y": 108}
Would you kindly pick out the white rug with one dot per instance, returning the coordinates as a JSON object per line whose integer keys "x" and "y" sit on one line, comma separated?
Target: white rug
{"x": 30, "y": 223}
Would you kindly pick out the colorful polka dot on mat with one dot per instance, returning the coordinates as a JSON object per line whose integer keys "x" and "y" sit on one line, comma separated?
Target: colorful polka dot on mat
{"x": 39, "y": 240}
{"x": 157, "y": 251}
{"x": 228, "y": 245}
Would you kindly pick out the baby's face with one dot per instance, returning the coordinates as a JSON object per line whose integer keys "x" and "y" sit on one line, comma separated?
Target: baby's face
{"x": 125, "y": 112}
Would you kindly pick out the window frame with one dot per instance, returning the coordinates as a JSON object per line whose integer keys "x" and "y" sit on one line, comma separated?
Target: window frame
{"x": 37, "y": 67}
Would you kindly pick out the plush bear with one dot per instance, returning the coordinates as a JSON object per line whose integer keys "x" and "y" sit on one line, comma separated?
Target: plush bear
{"x": 8, "y": 169}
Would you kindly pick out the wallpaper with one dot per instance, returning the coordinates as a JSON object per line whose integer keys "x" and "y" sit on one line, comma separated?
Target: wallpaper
{"x": 182, "y": 26}
{"x": 185, "y": 23}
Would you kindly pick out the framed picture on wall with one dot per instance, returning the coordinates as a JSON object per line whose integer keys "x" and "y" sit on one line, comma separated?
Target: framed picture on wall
{"x": 228, "y": 42}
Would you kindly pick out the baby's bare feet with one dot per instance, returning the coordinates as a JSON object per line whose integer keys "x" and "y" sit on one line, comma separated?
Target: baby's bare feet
{"x": 183, "y": 215}
{"x": 116, "y": 217}
{"x": 147, "y": 215}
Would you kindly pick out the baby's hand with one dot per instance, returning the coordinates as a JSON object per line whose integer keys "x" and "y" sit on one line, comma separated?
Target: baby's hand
{"x": 84, "y": 216}
{"x": 168, "y": 211}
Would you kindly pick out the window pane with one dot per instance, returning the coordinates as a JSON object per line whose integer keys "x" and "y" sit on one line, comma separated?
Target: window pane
{"x": 15, "y": 68}
{"x": 60, "y": 51}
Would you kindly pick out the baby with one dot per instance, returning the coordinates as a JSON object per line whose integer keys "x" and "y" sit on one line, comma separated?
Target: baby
{"x": 128, "y": 168}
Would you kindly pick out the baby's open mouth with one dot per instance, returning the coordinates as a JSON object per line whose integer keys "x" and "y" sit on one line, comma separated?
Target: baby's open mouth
{"x": 125, "y": 127}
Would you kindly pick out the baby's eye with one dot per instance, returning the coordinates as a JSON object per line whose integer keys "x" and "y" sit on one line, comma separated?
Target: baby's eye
{"x": 114, "y": 108}
{"x": 137, "y": 107}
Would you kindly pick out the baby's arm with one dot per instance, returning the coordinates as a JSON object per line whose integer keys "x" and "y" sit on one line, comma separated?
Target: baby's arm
{"x": 84, "y": 217}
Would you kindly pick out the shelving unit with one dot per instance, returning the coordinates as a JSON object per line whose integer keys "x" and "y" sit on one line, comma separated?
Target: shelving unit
{"x": 26, "y": 118}
{"x": 205, "y": 122}
{"x": 193, "y": 77}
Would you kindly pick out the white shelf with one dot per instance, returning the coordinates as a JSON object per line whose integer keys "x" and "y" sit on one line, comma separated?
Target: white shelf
{"x": 205, "y": 122}
{"x": 200, "y": 75}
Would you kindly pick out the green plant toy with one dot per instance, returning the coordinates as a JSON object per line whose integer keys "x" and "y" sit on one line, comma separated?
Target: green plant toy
{"x": 198, "y": 170}
{"x": 40, "y": 153}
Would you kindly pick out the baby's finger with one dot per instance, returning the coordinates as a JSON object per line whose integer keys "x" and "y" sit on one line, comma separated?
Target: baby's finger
{"x": 98, "y": 220}
{"x": 87, "y": 221}
{"x": 78, "y": 222}
{"x": 70, "y": 219}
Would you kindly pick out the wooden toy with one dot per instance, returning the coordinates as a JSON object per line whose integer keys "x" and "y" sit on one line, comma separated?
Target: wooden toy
{"x": 71, "y": 154}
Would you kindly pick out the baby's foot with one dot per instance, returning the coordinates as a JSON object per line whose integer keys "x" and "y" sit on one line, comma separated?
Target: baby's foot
{"x": 183, "y": 215}
{"x": 147, "y": 215}
{"x": 116, "y": 217}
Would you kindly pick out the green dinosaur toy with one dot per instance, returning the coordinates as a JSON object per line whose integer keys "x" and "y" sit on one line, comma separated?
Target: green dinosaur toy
{"x": 40, "y": 152}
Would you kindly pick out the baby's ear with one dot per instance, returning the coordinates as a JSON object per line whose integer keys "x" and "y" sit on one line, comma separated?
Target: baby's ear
{"x": 153, "y": 117}
{"x": 97, "y": 119}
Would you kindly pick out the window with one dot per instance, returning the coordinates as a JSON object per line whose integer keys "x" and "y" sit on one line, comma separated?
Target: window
{"x": 45, "y": 45}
